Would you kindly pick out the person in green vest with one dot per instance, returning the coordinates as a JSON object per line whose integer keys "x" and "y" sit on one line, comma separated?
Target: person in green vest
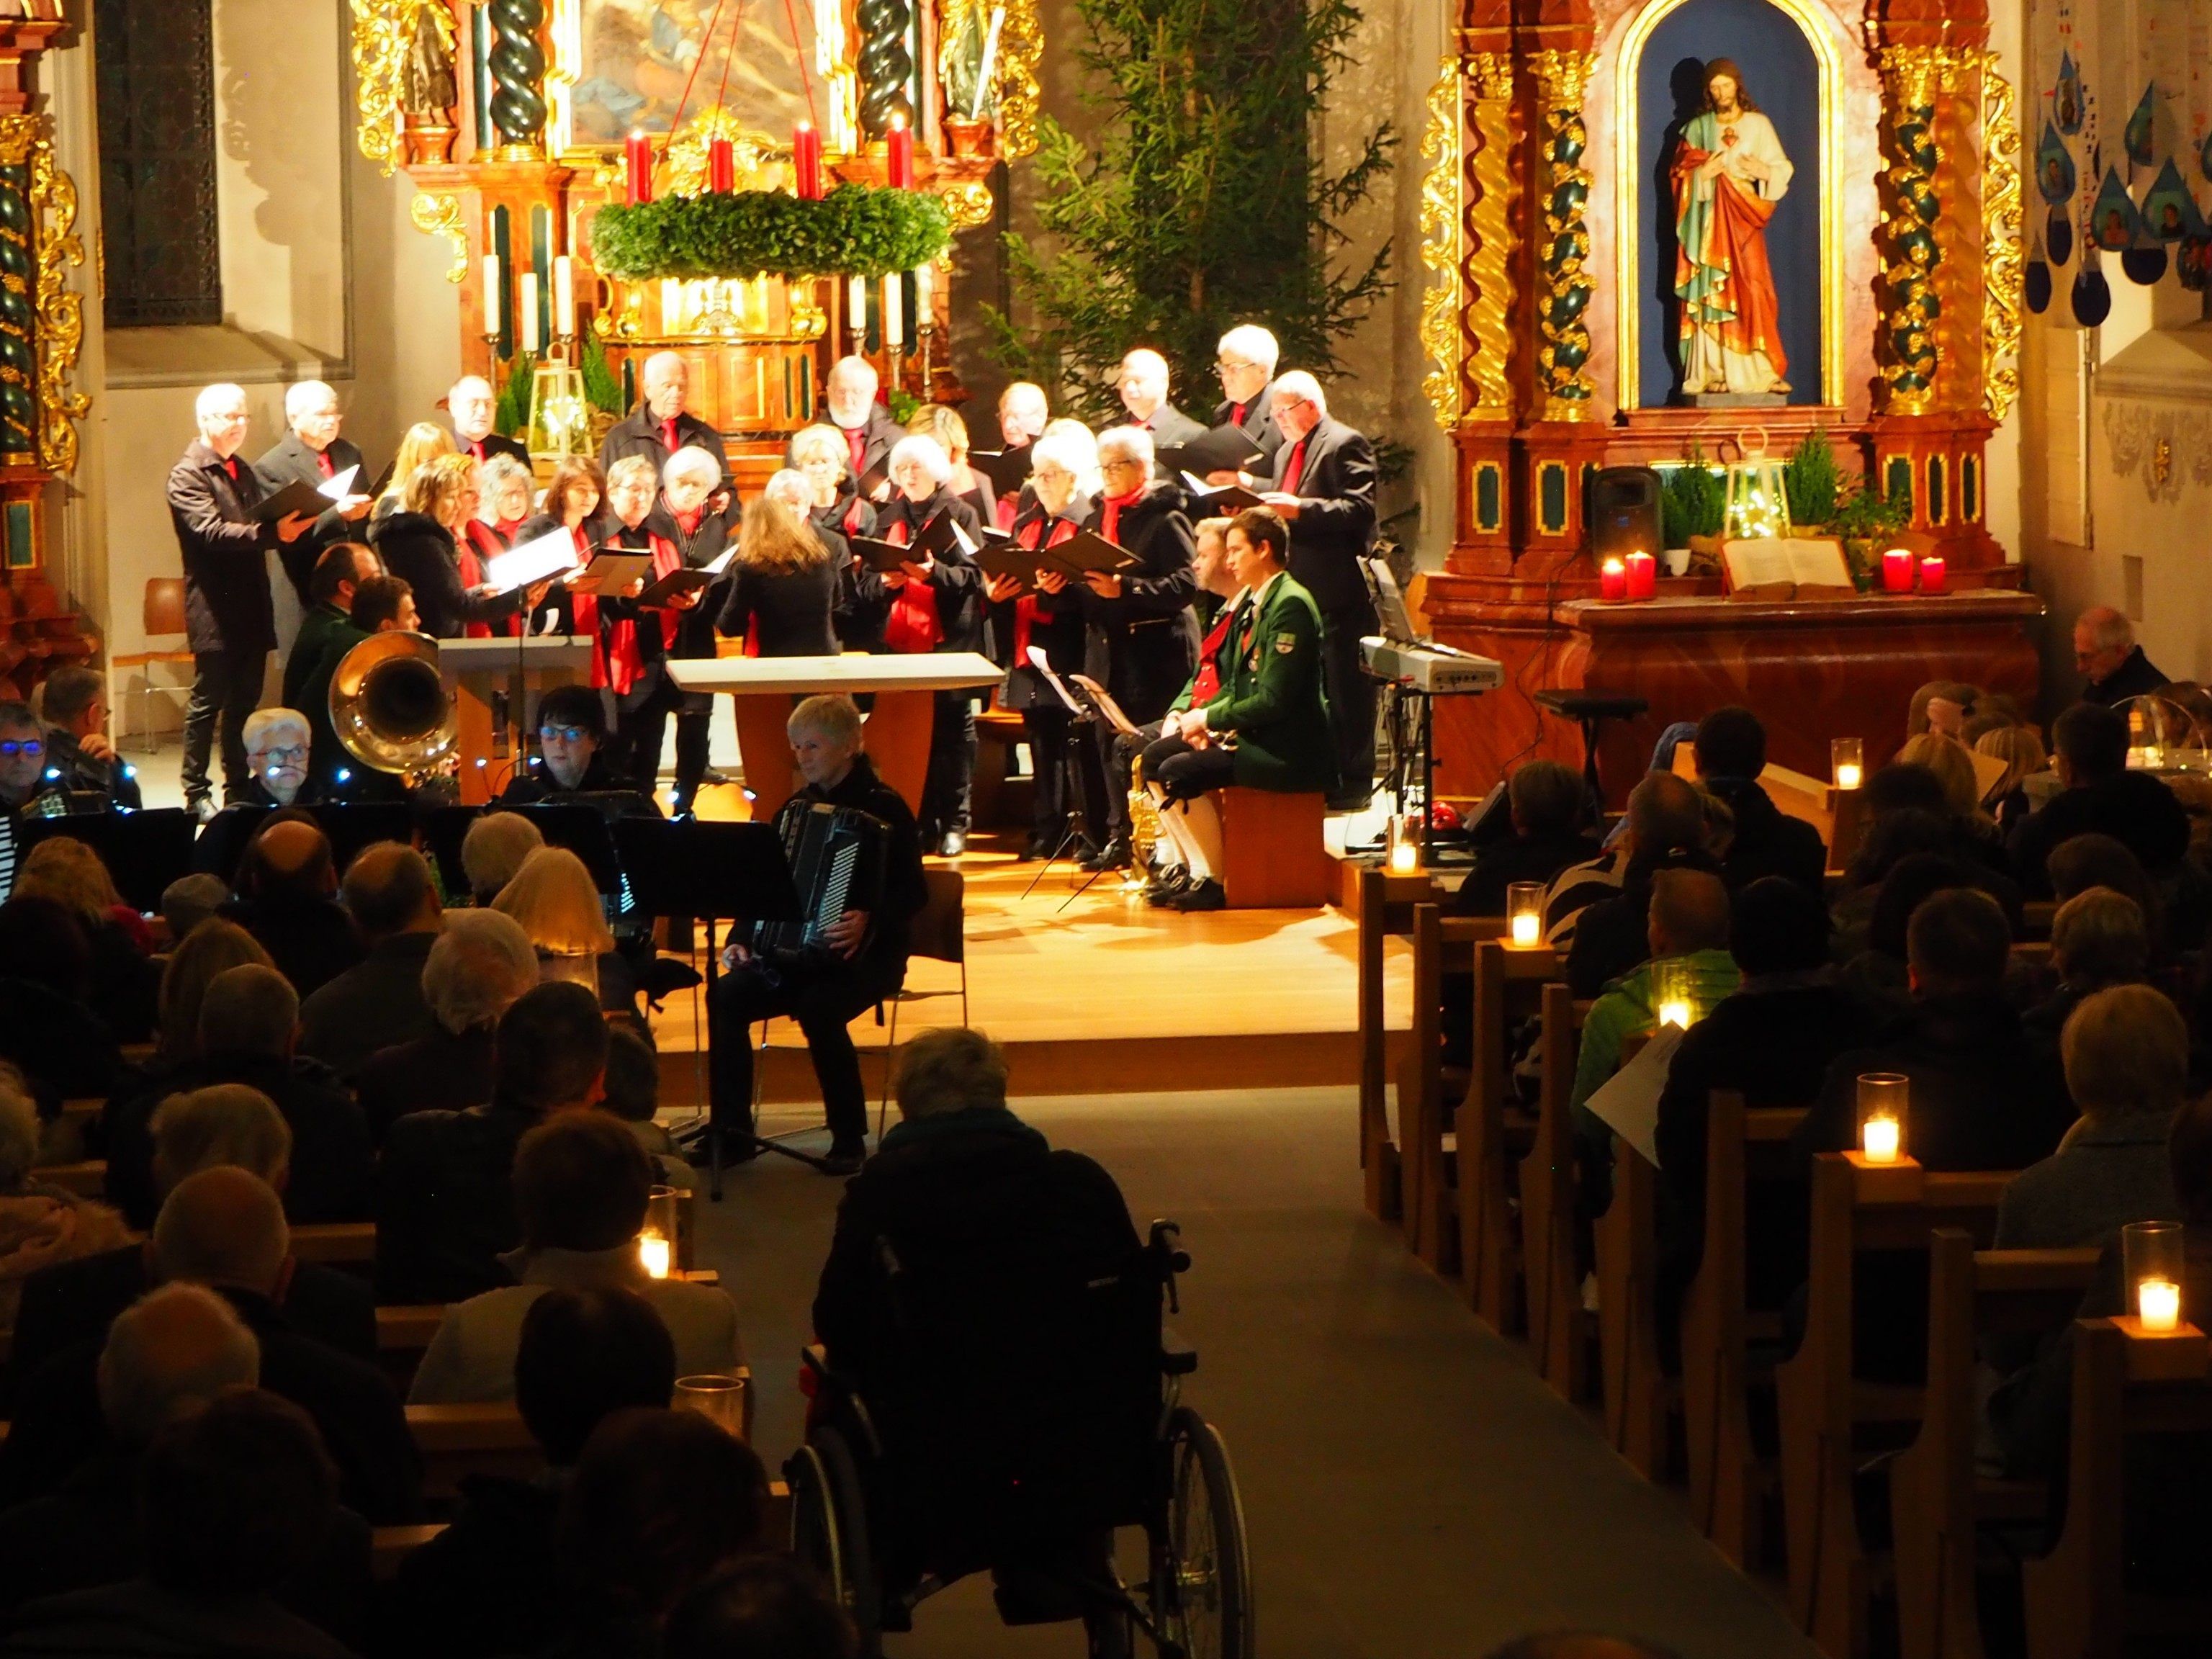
{"x": 341, "y": 570}
{"x": 1265, "y": 724}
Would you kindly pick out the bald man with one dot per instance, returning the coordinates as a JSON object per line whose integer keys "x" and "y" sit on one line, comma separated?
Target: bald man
{"x": 2111, "y": 664}
{"x": 1142, "y": 381}
{"x": 662, "y": 424}
{"x": 284, "y": 884}
{"x": 473, "y": 408}
{"x": 224, "y": 1229}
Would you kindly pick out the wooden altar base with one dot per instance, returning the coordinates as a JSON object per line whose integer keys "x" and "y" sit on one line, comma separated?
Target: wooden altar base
{"x": 1108, "y": 996}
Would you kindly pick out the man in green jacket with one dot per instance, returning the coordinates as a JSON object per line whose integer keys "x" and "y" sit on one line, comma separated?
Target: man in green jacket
{"x": 341, "y": 570}
{"x": 1265, "y": 727}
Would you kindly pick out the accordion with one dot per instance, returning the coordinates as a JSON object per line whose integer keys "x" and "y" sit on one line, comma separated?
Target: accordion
{"x": 835, "y": 853}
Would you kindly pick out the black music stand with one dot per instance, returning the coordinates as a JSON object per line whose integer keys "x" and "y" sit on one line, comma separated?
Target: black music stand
{"x": 144, "y": 851}
{"x": 1084, "y": 718}
{"x": 353, "y": 825}
{"x": 712, "y": 872}
{"x": 583, "y": 830}
{"x": 444, "y": 829}
{"x": 1592, "y": 708}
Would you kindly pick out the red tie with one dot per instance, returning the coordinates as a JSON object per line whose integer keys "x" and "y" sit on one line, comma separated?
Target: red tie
{"x": 323, "y": 463}
{"x": 1294, "y": 467}
{"x": 857, "y": 441}
{"x": 476, "y": 448}
{"x": 1237, "y": 413}
{"x": 668, "y": 434}
{"x": 230, "y": 465}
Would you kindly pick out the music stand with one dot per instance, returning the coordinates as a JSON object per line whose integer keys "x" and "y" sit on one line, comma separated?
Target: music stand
{"x": 444, "y": 829}
{"x": 1083, "y": 716}
{"x": 144, "y": 851}
{"x": 582, "y": 829}
{"x": 353, "y": 825}
{"x": 712, "y": 872}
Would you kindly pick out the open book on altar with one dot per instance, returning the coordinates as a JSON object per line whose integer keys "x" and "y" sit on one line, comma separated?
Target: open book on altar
{"x": 1785, "y": 567}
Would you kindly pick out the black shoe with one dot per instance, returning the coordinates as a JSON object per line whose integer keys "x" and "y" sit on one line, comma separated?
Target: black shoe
{"x": 736, "y": 1149}
{"x": 954, "y": 844}
{"x": 1207, "y": 895}
{"x": 1167, "y": 887}
{"x": 1114, "y": 855}
{"x": 710, "y": 777}
{"x": 1034, "y": 849}
{"x": 844, "y": 1160}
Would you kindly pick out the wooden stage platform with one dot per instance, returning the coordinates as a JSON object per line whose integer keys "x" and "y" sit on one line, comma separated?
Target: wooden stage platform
{"x": 1106, "y": 995}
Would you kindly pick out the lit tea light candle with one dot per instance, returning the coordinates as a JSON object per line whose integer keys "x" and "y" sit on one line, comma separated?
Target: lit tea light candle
{"x": 1878, "y": 1138}
{"x": 1848, "y": 756}
{"x": 654, "y": 1254}
{"x": 1524, "y": 912}
{"x": 1675, "y": 1012}
{"x": 1527, "y": 931}
{"x": 1405, "y": 857}
{"x": 2158, "y": 1305}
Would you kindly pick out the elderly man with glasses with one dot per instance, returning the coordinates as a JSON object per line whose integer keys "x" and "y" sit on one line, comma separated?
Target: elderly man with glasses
{"x": 1246, "y": 361}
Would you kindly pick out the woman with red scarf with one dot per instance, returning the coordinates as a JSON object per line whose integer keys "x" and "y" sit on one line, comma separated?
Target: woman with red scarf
{"x": 933, "y": 604}
{"x": 503, "y": 502}
{"x": 422, "y": 543}
{"x": 1143, "y": 641}
{"x": 572, "y": 502}
{"x": 1022, "y": 620}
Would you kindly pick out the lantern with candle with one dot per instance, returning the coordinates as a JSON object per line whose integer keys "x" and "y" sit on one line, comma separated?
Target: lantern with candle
{"x": 1524, "y": 914}
{"x": 1404, "y": 836}
{"x": 1757, "y": 502}
{"x": 721, "y": 1399}
{"x": 1673, "y": 993}
{"x": 1847, "y": 756}
{"x": 1882, "y": 1099}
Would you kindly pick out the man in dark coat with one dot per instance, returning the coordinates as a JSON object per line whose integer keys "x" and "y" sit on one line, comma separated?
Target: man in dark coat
{"x": 81, "y": 757}
{"x": 474, "y": 408}
{"x": 1550, "y": 807}
{"x": 2102, "y": 798}
{"x": 1731, "y": 753}
{"x": 1246, "y": 360}
{"x": 661, "y": 424}
{"x": 338, "y": 572}
{"x": 869, "y": 433}
{"x": 1142, "y": 381}
{"x": 313, "y": 453}
{"x": 1323, "y": 483}
{"x": 2111, "y": 664}
{"x": 389, "y": 892}
{"x": 229, "y": 620}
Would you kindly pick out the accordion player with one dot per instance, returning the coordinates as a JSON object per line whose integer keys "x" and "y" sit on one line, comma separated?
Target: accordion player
{"x": 856, "y": 858}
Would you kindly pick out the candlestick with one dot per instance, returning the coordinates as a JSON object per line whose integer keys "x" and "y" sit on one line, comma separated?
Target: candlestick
{"x": 1613, "y": 580}
{"x": 899, "y": 154}
{"x": 639, "y": 155}
{"x": 653, "y": 1252}
{"x": 492, "y": 294}
{"x": 721, "y": 166}
{"x": 564, "y": 296}
{"x": 1931, "y": 576}
{"x": 1643, "y": 575}
{"x": 526, "y": 336}
{"x": 894, "y": 311}
{"x": 806, "y": 162}
{"x": 1878, "y": 1140}
{"x": 856, "y": 306}
{"x": 925, "y": 285}
{"x": 1897, "y": 571}
{"x": 1848, "y": 756}
{"x": 672, "y": 305}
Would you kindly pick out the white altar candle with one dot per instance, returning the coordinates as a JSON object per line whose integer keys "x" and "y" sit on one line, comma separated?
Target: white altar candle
{"x": 894, "y": 311}
{"x": 491, "y": 294}
{"x": 564, "y": 296}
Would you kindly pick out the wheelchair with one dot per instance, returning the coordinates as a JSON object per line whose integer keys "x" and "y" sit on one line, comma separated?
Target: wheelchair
{"x": 1018, "y": 1445}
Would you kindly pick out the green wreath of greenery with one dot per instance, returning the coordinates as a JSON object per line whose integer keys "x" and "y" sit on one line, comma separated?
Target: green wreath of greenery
{"x": 856, "y": 230}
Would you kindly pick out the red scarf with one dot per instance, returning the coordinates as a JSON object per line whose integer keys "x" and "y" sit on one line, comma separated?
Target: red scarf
{"x": 1025, "y": 607}
{"x": 616, "y": 662}
{"x": 914, "y": 625}
{"x": 479, "y": 544}
{"x": 1109, "y": 522}
{"x": 1207, "y": 685}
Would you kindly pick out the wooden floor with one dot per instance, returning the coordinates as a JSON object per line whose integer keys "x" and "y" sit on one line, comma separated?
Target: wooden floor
{"x": 1098, "y": 993}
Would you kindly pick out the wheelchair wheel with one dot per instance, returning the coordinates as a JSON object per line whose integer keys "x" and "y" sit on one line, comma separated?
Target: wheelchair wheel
{"x": 1201, "y": 1575}
{"x": 829, "y": 1529}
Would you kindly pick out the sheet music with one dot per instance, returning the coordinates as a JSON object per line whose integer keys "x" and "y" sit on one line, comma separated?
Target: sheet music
{"x": 339, "y": 485}
{"x": 1037, "y": 661}
{"x": 1627, "y": 1102}
{"x": 533, "y": 561}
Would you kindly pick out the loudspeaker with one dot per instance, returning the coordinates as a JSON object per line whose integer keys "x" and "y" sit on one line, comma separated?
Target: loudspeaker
{"x": 1622, "y": 513}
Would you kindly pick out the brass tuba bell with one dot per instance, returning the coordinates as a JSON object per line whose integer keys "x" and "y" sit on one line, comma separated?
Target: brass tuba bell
{"x": 390, "y": 709}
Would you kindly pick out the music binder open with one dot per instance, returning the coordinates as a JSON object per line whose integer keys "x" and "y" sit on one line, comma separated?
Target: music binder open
{"x": 1216, "y": 499}
{"x": 687, "y": 579}
{"x": 309, "y": 501}
{"x": 1219, "y": 449}
{"x": 533, "y": 561}
{"x": 1083, "y": 552}
{"x": 610, "y": 573}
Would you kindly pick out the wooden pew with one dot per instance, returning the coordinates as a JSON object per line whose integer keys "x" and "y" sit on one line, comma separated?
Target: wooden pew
{"x": 349, "y": 1243}
{"x": 456, "y": 1440}
{"x": 1936, "y": 1500}
{"x": 1427, "y": 1173}
{"x": 1549, "y": 1228}
{"x": 1728, "y": 1481}
{"x": 1828, "y": 1412}
{"x": 2079, "y": 1606}
{"x": 1492, "y": 1135}
{"x": 86, "y": 1180}
{"x": 1381, "y": 916}
{"x": 1640, "y": 1398}
{"x": 389, "y": 1545}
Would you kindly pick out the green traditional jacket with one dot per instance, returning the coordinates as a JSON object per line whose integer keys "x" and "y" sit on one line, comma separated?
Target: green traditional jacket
{"x": 1271, "y": 695}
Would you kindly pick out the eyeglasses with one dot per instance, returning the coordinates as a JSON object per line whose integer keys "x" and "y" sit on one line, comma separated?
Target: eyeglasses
{"x": 565, "y": 734}
{"x": 1229, "y": 365}
{"x": 292, "y": 753}
{"x": 12, "y": 747}
{"x": 1119, "y": 464}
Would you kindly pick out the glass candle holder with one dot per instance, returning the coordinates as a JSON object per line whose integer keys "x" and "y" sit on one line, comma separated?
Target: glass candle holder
{"x": 1674, "y": 995}
{"x": 720, "y": 1398}
{"x": 2153, "y": 1255}
{"x": 1405, "y": 843}
{"x": 656, "y": 1239}
{"x": 1882, "y": 1101}
{"x": 1848, "y": 756}
{"x": 1524, "y": 914}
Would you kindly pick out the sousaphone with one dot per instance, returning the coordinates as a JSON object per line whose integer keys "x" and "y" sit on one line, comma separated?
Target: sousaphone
{"x": 390, "y": 709}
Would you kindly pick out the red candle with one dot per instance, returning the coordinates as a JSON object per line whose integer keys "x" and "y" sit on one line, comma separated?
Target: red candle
{"x": 1897, "y": 571}
{"x": 807, "y": 162}
{"x": 1931, "y": 576}
{"x": 639, "y": 154}
{"x": 721, "y": 166}
{"x": 898, "y": 146}
{"x": 1613, "y": 580}
{"x": 1643, "y": 575}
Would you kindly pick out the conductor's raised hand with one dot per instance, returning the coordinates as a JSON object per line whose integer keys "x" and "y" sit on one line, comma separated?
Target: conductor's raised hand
{"x": 1003, "y": 590}
{"x": 293, "y": 525}
{"x": 846, "y": 933}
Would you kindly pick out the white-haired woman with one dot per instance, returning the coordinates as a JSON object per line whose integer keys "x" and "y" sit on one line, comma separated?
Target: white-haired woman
{"x": 483, "y": 961}
{"x": 1084, "y": 447}
{"x": 821, "y": 454}
{"x": 1023, "y": 620}
{"x": 554, "y": 900}
{"x": 689, "y": 531}
{"x": 1140, "y": 621}
{"x": 935, "y": 603}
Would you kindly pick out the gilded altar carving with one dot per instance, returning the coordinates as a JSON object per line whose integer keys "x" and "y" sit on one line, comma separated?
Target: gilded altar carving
{"x": 400, "y": 50}
{"x": 60, "y": 312}
{"x": 2003, "y": 267}
{"x": 1441, "y": 219}
{"x": 1489, "y": 222}
{"x": 1562, "y": 254}
{"x": 1910, "y": 356}
{"x": 439, "y": 215}
{"x": 1021, "y": 48}
{"x": 970, "y": 203}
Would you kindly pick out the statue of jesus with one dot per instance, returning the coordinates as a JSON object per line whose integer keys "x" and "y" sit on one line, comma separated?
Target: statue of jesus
{"x": 1729, "y": 170}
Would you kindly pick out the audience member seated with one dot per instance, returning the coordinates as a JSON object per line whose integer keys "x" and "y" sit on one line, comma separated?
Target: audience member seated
{"x": 1731, "y": 753}
{"x": 1877, "y": 975}
{"x": 284, "y": 885}
{"x": 214, "y": 947}
{"x": 81, "y": 757}
{"x": 2111, "y": 663}
{"x": 1549, "y": 814}
{"x": 632, "y": 1094}
{"x": 224, "y": 1228}
{"x": 1916, "y": 831}
{"x": 1687, "y": 934}
{"x": 1952, "y": 765}
{"x": 478, "y": 966}
{"x": 1609, "y": 934}
{"x": 1771, "y": 1042}
{"x": 2100, "y": 797}
{"x": 581, "y": 1185}
{"x": 2166, "y": 1475}
{"x": 123, "y": 976}
{"x": 190, "y": 900}
{"x": 249, "y": 1020}
{"x": 552, "y": 897}
{"x": 490, "y": 1582}
{"x": 660, "y": 1500}
{"x": 2021, "y": 749}
{"x": 47, "y": 1029}
{"x": 1986, "y": 1093}
{"x": 175, "y": 1352}
{"x": 389, "y": 892}
{"x": 226, "y": 1125}
{"x": 40, "y": 1225}
{"x": 22, "y": 765}
{"x": 1943, "y": 706}
{"x": 2097, "y": 941}
{"x": 765, "y": 1607}
{"x": 445, "y": 1207}
{"x": 493, "y": 849}
{"x": 236, "y": 1505}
